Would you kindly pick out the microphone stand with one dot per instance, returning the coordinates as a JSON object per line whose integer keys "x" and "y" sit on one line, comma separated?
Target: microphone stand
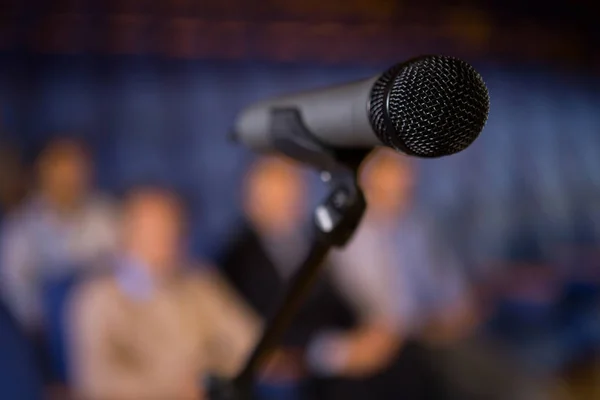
{"x": 335, "y": 221}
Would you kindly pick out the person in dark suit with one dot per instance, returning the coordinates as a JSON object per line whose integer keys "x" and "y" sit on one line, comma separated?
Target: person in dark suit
{"x": 270, "y": 243}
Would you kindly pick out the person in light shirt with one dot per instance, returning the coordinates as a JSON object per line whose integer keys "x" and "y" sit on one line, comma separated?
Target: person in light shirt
{"x": 406, "y": 287}
{"x": 63, "y": 228}
{"x": 264, "y": 252}
{"x": 155, "y": 327}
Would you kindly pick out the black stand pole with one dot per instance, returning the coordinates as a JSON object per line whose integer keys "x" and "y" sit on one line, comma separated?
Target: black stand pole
{"x": 335, "y": 220}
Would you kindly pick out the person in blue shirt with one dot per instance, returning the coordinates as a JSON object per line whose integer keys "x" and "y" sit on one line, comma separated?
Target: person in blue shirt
{"x": 399, "y": 274}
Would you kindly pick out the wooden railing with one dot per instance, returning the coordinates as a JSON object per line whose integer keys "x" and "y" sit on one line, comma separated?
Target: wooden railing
{"x": 301, "y": 30}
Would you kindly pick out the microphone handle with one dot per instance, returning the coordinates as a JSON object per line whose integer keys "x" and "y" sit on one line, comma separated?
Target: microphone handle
{"x": 337, "y": 116}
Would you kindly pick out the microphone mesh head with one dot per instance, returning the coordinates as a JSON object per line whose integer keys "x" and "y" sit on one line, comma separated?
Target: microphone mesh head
{"x": 431, "y": 106}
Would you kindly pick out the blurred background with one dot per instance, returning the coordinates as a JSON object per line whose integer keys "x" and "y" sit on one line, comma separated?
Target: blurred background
{"x": 151, "y": 90}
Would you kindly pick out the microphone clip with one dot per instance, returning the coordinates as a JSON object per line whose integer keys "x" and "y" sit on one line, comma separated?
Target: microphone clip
{"x": 338, "y": 216}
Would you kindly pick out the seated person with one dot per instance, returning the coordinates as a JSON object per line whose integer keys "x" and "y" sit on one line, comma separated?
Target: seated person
{"x": 407, "y": 288}
{"x": 271, "y": 243}
{"x": 62, "y": 228}
{"x": 153, "y": 328}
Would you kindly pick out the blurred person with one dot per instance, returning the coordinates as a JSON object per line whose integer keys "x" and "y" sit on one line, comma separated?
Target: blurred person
{"x": 406, "y": 287}
{"x": 263, "y": 253}
{"x": 62, "y": 228}
{"x": 153, "y": 327}
{"x": 402, "y": 278}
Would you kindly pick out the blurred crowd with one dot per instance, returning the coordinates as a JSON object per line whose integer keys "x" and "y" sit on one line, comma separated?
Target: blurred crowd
{"x": 102, "y": 300}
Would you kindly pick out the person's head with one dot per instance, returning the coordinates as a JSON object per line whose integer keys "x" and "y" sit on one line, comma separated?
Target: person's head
{"x": 153, "y": 228}
{"x": 64, "y": 170}
{"x": 274, "y": 194}
{"x": 387, "y": 179}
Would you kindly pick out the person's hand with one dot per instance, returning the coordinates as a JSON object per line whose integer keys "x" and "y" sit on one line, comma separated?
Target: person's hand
{"x": 358, "y": 353}
{"x": 191, "y": 388}
{"x": 58, "y": 392}
{"x": 284, "y": 365}
{"x": 192, "y": 392}
{"x": 369, "y": 350}
{"x": 452, "y": 325}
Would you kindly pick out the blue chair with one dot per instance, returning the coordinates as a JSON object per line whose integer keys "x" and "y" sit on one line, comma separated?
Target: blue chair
{"x": 56, "y": 293}
{"x": 515, "y": 321}
{"x": 580, "y": 308}
{"x": 20, "y": 376}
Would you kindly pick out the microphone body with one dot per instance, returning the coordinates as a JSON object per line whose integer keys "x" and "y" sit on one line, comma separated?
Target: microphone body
{"x": 336, "y": 116}
{"x": 430, "y": 106}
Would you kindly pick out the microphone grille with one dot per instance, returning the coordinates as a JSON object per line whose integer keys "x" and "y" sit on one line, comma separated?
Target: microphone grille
{"x": 431, "y": 106}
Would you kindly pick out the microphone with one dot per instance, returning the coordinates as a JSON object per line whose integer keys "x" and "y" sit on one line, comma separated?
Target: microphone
{"x": 430, "y": 106}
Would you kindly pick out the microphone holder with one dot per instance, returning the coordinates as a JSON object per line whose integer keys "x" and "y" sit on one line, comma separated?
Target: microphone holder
{"x": 335, "y": 221}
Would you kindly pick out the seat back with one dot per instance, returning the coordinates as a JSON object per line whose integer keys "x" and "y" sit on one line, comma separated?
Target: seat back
{"x": 20, "y": 376}
{"x": 56, "y": 293}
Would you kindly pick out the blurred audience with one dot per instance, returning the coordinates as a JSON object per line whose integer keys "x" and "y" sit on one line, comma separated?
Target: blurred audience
{"x": 396, "y": 270}
{"x": 374, "y": 296}
{"x": 63, "y": 227}
{"x": 153, "y": 327}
